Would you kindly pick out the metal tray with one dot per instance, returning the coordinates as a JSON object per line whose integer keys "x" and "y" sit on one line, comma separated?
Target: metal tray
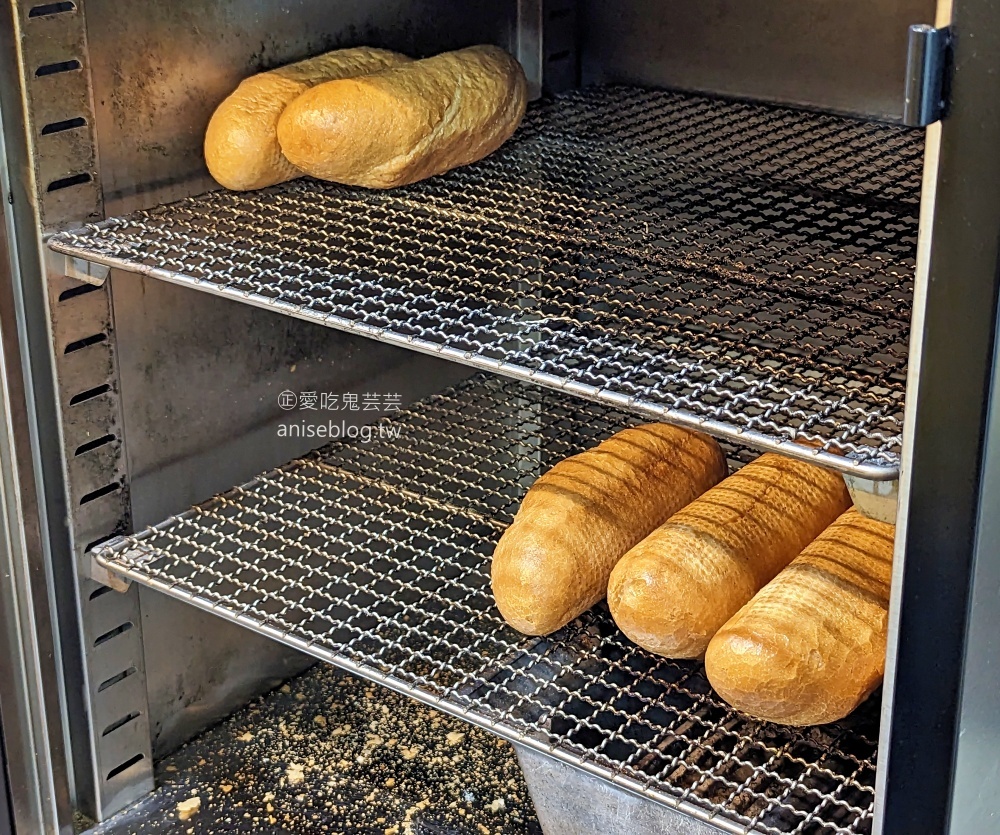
{"x": 375, "y": 557}
{"x": 740, "y": 268}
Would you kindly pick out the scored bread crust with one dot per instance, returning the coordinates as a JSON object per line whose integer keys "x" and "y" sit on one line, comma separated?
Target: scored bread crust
{"x": 241, "y": 142}
{"x": 676, "y": 588}
{"x": 406, "y": 123}
{"x": 553, "y": 562}
{"x": 810, "y": 647}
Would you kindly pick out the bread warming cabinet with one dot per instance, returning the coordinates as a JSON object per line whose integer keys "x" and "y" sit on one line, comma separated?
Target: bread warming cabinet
{"x": 774, "y": 222}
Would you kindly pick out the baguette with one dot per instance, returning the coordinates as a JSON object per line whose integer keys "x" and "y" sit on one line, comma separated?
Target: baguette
{"x": 241, "y": 142}
{"x": 553, "y": 562}
{"x": 810, "y": 647}
{"x": 408, "y": 122}
{"x": 676, "y": 588}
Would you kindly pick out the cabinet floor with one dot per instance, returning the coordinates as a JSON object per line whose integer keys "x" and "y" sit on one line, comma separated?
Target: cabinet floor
{"x": 329, "y": 753}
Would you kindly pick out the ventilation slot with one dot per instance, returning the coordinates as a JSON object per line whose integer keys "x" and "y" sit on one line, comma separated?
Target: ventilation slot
{"x": 51, "y": 9}
{"x": 89, "y": 394}
{"x": 562, "y": 55}
{"x": 99, "y": 592}
{"x": 60, "y": 66}
{"x": 112, "y": 633}
{"x": 65, "y": 124}
{"x": 114, "y": 726}
{"x": 99, "y": 493}
{"x": 118, "y": 769}
{"x": 111, "y": 682}
{"x": 73, "y": 292}
{"x": 86, "y": 342}
{"x": 66, "y": 182}
{"x": 94, "y": 444}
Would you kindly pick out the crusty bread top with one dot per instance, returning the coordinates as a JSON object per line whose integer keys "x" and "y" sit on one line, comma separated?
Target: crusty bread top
{"x": 674, "y": 589}
{"x": 340, "y": 63}
{"x": 408, "y": 122}
{"x": 811, "y": 644}
{"x": 241, "y": 141}
{"x": 577, "y": 519}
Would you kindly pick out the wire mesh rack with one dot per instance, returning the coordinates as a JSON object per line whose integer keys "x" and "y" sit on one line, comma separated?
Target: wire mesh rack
{"x": 740, "y": 268}
{"x": 374, "y": 556}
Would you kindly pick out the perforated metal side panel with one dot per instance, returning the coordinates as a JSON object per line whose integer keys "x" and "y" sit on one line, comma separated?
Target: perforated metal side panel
{"x": 59, "y": 116}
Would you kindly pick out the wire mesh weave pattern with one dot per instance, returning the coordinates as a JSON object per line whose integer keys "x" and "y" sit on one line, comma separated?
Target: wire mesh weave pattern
{"x": 375, "y": 557}
{"x": 743, "y": 268}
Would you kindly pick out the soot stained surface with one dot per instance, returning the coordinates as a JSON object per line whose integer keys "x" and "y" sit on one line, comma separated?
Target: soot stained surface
{"x": 329, "y": 753}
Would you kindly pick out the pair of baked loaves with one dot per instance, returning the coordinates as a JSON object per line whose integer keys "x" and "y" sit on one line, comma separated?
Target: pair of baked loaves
{"x": 579, "y": 518}
{"x": 649, "y": 518}
{"x": 366, "y": 117}
{"x": 777, "y": 582}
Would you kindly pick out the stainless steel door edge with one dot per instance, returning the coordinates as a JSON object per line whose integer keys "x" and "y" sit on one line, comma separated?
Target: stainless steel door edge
{"x": 6, "y": 817}
{"x": 33, "y": 732}
{"x": 940, "y": 669}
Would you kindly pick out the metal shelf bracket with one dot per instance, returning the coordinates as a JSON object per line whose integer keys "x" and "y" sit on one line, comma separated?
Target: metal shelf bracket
{"x": 875, "y": 499}
{"x": 81, "y": 270}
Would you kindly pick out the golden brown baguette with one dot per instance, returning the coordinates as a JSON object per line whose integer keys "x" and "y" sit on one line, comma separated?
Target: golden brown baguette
{"x": 577, "y": 519}
{"x": 675, "y": 589}
{"x": 810, "y": 647}
{"x": 406, "y": 123}
{"x": 241, "y": 143}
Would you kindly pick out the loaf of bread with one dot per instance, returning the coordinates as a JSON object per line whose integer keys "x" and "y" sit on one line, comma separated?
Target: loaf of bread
{"x": 406, "y": 123}
{"x": 577, "y": 519}
{"x": 674, "y": 590}
{"x": 810, "y": 647}
{"x": 241, "y": 143}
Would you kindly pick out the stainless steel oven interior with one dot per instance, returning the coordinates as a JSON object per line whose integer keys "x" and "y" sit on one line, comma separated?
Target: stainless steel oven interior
{"x": 713, "y": 214}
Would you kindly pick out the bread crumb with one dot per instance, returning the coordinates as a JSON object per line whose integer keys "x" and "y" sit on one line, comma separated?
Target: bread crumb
{"x": 226, "y": 787}
{"x": 390, "y": 782}
{"x": 320, "y": 720}
{"x": 408, "y": 816}
{"x": 247, "y": 737}
{"x": 285, "y": 688}
{"x": 295, "y": 774}
{"x": 455, "y": 738}
{"x": 188, "y": 808}
{"x": 483, "y": 829}
{"x": 171, "y": 768}
{"x": 410, "y": 753}
{"x": 498, "y": 805}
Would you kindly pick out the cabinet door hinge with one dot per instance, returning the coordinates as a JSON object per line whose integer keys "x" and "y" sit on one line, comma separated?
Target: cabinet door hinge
{"x": 928, "y": 62}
